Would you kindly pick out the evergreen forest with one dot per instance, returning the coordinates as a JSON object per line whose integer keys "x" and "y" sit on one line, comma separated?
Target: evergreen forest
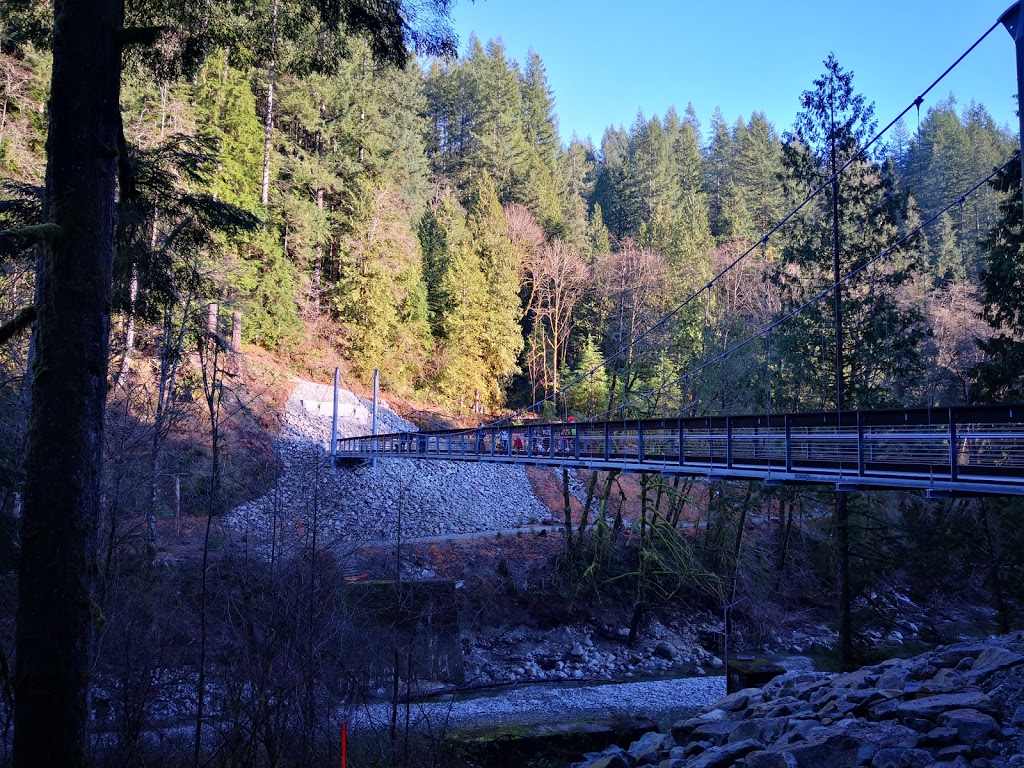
{"x": 428, "y": 221}
{"x": 299, "y": 185}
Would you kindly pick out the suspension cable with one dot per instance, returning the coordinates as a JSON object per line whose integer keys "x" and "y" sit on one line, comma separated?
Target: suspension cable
{"x": 817, "y": 297}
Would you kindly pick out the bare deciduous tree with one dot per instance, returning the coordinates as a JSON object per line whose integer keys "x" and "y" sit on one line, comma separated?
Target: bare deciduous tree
{"x": 630, "y": 284}
{"x": 560, "y": 278}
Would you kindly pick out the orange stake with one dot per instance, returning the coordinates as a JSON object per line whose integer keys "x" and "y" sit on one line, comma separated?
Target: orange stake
{"x": 344, "y": 743}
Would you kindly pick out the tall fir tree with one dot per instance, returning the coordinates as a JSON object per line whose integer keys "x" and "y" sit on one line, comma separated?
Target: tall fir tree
{"x": 540, "y": 129}
{"x": 719, "y": 173}
{"x": 758, "y": 173}
{"x": 610, "y": 190}
{"x": 457, "y": 303}
{"x": 498, "y": 144}
{"x": 501, "y": 268}
{"x": 1000, "y": 376}
{"x": 877, "y": 328}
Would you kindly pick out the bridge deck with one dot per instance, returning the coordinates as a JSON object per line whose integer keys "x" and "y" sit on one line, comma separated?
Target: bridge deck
{"x": 971, "y": 449}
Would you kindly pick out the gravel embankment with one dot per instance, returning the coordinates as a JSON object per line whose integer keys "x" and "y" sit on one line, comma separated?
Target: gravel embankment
{"x": 375, "y": 503}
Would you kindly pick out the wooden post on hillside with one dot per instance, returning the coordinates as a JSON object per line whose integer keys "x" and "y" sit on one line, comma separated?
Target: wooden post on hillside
{"x": 177, "y": 505}
{"x": 236, "y": 332}
{"x": 211, "y": 318}
{"x": 236, "y": 341}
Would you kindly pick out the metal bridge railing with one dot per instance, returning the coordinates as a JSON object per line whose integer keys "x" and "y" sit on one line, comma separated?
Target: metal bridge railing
{"x": 977, "y": 449}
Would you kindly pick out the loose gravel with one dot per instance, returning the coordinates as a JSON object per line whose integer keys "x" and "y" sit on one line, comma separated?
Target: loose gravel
{"x": 378, "y": 503}
{"x": 658, "y": 700}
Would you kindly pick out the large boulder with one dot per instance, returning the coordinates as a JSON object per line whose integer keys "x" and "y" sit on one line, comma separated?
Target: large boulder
{"x": 715, "y": 733}
{"x": 647, "y": 748}
{"x": 681, "y": 731}
{"x": 724, "y": 756}
{"x": 830, "y": 749}
{"x": 897, "y": 757}
{"x": 930, "y": 707}
{"x": 763, "y": 729}
{"x": 971, "y": 725}
{"x": 612, "y": 760}
{"x": 739, "y": 700}
{"x": 993, "y": 659}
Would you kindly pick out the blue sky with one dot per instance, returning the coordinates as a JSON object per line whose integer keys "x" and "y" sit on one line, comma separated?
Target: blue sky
{"x": 607, "y": 60}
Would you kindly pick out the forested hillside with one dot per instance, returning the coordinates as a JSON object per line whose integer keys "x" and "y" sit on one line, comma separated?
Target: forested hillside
{"x": 287, "y": 188}
{"x": 429, "y": 221}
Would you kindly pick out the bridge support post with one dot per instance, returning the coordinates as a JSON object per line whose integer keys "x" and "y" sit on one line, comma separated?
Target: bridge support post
{"x": 1011, "y": 19}
{"x": 376, "y": 392}
{"x": 334, "y": 419}
{"x": 954, "y": 456}
{"x": 860, "y": 444}
{"x": 789, "y": 443}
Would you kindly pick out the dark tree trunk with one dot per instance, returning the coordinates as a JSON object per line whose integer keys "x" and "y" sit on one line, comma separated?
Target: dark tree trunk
{"x": 69, "y": 373}
{"x": 994, "y": 581}
{"x": 845, "y": 596}
{"x": 567, "y": 509}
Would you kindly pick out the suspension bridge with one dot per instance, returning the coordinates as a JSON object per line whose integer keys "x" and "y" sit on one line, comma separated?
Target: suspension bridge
{"x": 943, "y": 451}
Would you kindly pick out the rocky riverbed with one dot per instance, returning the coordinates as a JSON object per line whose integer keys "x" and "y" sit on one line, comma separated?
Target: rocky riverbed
{"x": 957, "y": 706}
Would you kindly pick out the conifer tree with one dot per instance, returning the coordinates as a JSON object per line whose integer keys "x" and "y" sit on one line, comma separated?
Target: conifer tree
{"x": 856, "y": 219}
{"x": 1000, "y": 377}
{"x": 598, "y": 238}
{"x": 450, "y": 116}
{"x": 501, "y": 268}
{"x": 831, "y": 129}
{"x": 651, "y": 170}
{"x": 447, "y": 258}
{"x": 577, "y": 169}
{"x": 758, "y": 173}
{"x": 540, "y": 129}
{"x": 498, "y": 144}
{"x": 719, "y": 170}
{"x": 685, "y": 145}
{"x": 590, "y": 395}
{"x": 380, "y": 296}
{"x": 735, "y": 221}
{"x": 610, "y": 190}
{"x": 251, "y": 266}
{"x": 457, "y": 302}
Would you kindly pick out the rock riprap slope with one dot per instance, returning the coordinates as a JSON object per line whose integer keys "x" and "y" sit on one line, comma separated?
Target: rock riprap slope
{"x": 959, "y": 706}
{"x": 397, "y": 496}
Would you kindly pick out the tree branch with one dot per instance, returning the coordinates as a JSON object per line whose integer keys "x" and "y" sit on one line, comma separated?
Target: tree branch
{"x": 24, "y": 319}
{"x": 30, "y": 235}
